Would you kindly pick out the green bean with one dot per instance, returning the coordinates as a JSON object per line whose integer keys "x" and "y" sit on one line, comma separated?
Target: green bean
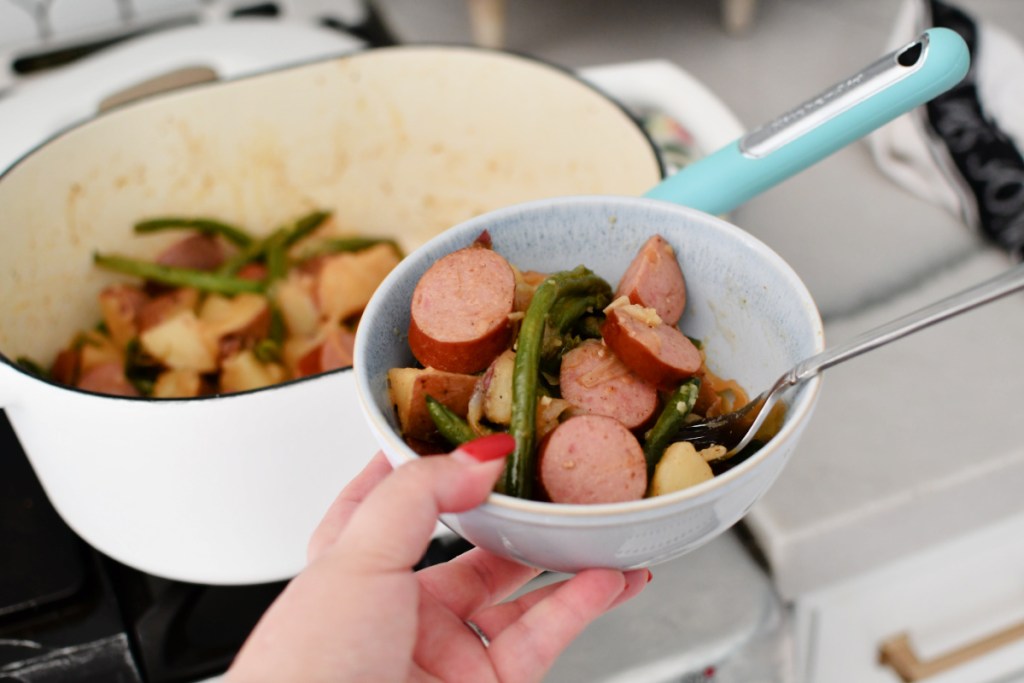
{"x": 206, "y": 226}
{"x": 281, "y": 239}
{"x": 678, "y": 406}
{"x": 177, "y": 277}
{"x": 140, "y": 369}
{"x": 579, "y": 282}
{"x": 32, "y": 367}
{"x": 277, "y": 259}
{"x": 340, "y": 245}
{"x": 304, "y": 227}
{"x": 245, "y": 255}
{"x": 567, "y": 311}
{"x": 452, "y": 427}
{"x": 564, "y": 314}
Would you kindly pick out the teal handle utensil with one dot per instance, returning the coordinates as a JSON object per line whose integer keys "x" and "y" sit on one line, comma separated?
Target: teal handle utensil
{"x": 891, "y": 86}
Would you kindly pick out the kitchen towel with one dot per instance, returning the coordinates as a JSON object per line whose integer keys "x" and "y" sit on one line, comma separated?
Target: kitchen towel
{"x": 962, "y": 150}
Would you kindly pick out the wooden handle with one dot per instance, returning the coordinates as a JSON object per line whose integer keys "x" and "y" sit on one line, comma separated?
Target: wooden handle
{"x": 898, "y": 654}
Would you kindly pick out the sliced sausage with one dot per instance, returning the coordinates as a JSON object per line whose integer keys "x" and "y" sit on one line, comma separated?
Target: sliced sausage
{"x": 460, "y": 311}
{"x": 200, "y": 252}
{"x": 107, "y": 378}
{"x": 333, "y": 353}
{"x": 655, "y": 280}
{"x": 592, "y": 459}
{"x": 121, "y": 305}
{"x": 596, "y": 382}
{"x": 657, "y": 352}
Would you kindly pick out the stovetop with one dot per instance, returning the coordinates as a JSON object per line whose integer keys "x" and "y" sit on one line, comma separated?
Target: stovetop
{"x": 64, "y": 607}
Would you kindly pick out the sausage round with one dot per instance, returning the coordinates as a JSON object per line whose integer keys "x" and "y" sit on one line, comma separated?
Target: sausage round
{"x": 596, "y": 382}
{"x": 460, "y": 311}
{"x": 592, "y": 459}
{"x": 659, "y": 353}
{"x": 655, "y": 280}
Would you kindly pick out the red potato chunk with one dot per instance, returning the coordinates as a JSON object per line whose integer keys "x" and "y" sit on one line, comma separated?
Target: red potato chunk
{"x": 165, "y": 306}
{"x": 121, "y": 306}
{"x": 178, "y": 384}
{"x": 409, "y": 388}
{"x": 244, "y": 372}
{"x": 347, "y": 281}
{"x": 183, "y": 343}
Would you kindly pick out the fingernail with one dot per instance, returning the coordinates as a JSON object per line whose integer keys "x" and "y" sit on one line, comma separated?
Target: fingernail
{"x": 650, "y": 576}
{"x": 486, "y": 448}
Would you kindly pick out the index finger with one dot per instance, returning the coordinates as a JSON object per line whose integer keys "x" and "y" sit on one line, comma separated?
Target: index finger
{"x": 340, "y": 511}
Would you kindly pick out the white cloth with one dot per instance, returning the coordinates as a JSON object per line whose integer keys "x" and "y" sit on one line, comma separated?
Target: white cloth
{"x": 914, "y": 154}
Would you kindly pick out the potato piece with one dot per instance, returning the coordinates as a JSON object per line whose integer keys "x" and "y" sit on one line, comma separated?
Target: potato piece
{"x": 409, "y": 388}
{"x": 295, "y": 300}
{"x": 165, "y": 306}
{"x": 348, "y": 280}
{"x": 245, "y": 314}
{"x": 182, "y": 343}
{"x": 681, "y": 467}
{"x": 120, "y": 305}
{"x": 243, "y": 371}
{"x": 97, "y": 349}
{"x": 498, "y": 392}
{"x": 177, "y": 384}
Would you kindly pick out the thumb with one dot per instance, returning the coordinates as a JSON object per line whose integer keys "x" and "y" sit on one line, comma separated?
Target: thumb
{"x": 390, "y": 531}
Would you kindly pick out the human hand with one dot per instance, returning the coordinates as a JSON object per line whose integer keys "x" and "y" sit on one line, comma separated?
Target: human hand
{"x": 359, "y": 613}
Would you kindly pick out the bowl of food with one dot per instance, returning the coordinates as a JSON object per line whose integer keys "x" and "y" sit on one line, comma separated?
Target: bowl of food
{"x": 448, "y": 325}
{"x": 594, "y": 328}
{"x": 198, "y": 428}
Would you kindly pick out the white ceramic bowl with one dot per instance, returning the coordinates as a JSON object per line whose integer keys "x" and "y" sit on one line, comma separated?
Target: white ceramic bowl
{"x": 398, "y": 142}
{"x": 750, "y": 309}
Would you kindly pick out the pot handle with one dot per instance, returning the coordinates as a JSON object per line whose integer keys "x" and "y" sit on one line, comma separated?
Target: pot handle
{"x": 893, "y": 85}
{"x": 41, "y": 107}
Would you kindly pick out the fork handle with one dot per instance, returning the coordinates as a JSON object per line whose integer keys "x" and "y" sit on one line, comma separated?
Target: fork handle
{"x": 978, "y": 295}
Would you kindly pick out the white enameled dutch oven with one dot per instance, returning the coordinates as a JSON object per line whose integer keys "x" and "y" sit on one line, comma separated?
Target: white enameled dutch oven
{"x": 399, "y": 142}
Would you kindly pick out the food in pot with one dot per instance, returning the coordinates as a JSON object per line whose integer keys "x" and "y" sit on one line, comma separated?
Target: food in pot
{"x": 220, "y": 311}
{"x": 593, "y": 381}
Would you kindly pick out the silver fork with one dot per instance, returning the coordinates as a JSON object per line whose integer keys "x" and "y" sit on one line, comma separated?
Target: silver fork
{"x": 735, "y": 430}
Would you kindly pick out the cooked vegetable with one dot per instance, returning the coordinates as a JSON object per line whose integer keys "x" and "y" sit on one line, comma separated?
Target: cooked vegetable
{"x": 680, "y": 467}
{"x": 222, "y": 311}
{"x": 677, "y": 407}
{"x": 177, "y": 277}
{"x": 576, "y": 384}
{"x": 341, "y": 245}
{"x": 577, "y": 283}
{"x": 453, "y": 428}
{"x": 204, "y": 226}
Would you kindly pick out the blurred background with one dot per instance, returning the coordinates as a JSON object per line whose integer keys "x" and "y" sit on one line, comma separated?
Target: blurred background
{"x": 896, "y": 526}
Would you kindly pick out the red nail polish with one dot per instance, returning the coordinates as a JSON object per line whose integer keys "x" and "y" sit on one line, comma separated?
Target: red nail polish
{"x": 650, "y": 576}
{"x": 489, "y": 447}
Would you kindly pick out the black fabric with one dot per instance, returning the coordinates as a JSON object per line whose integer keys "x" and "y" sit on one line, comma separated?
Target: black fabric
{"x": 987, "y": 159}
